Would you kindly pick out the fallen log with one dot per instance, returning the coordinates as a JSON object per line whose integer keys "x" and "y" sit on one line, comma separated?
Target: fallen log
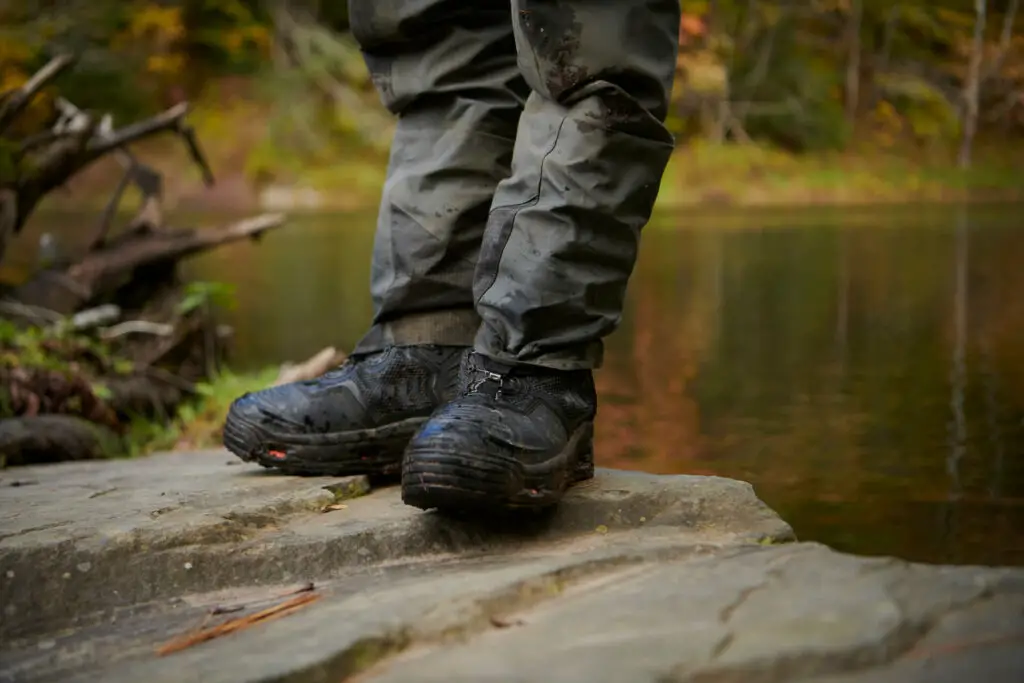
{"x": 41, "y": 439}
{"x": 101, "y": 272}
{"x": 95, "y": 341}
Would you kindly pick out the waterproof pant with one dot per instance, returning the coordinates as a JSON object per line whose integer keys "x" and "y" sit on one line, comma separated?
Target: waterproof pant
{"x": 528, "y": 153}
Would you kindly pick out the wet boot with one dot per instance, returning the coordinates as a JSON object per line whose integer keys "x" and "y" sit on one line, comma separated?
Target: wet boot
{"x": 356, "y": 419}
{"x": 516, "y": 437}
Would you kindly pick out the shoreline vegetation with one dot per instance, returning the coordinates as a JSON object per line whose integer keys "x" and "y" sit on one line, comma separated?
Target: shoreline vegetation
{"x": 776, "y": 104}
{"x": 752, "y": 178}
{"x": 256, "y": 173}
{"x": 700, "y": 174}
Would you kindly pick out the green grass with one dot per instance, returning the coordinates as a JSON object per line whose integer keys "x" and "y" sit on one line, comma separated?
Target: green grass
{"x": 197, "y": 423}
{"x": 751, "y": 175}
{"x": 73, "y": 370}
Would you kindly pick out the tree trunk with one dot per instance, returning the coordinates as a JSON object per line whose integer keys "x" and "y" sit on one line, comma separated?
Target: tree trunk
{"x": 972, "y": 86}
{"x": 853, "y": 59}
{"x": 891, "y": 19}
{"x": 1005, "y": 38}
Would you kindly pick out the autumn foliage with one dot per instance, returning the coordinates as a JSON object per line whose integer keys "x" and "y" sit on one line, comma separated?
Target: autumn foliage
{"x": 825, "y": 74}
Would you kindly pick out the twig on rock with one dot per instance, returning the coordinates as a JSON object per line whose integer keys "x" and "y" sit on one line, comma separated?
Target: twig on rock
{"x": 238, "y": 624}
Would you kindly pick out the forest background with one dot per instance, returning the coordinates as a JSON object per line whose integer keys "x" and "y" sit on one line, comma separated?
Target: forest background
{"x": 779, "y": 101}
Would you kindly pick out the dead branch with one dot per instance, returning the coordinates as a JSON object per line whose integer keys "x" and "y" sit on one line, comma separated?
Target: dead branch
{"x": 95, "y": 317}
{"x": 102, "y": 271}
{"x": 109, "y": 212}
{"x": 51, "y": 168}
{"x": 311, "y": 368}
{"x": 14, "y": 103}
{"x": 171, "y": 120}
{"x": 36, "y": 315}
{"x": 169, "y": 246}
{"x": 76, "y": 148}
{"x": 137, "y": 327}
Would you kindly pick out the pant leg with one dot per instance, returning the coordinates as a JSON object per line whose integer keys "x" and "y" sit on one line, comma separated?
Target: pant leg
{"x": 564, "y": 229}
{"x": 448, "y": 70}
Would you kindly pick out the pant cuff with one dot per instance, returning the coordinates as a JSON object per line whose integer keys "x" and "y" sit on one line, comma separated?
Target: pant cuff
{"x": 587, "y": 357}
{"x": 456, "y": 327}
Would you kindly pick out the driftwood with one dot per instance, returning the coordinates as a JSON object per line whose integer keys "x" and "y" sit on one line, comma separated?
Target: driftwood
{"x": 54, "y": 438}
{"x": 14, "y": 102}
{"x": 130, "y": 256}
{"x": 312, "y": 368}
{"x": 118, "y": 343}
{"x": 46, "y": 160}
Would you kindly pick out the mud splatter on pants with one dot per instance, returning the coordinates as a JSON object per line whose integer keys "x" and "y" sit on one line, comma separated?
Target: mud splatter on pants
{"x": 528, "y": 153}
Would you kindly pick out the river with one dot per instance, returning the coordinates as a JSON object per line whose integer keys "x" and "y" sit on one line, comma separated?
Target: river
{"x": 862, "y": 368}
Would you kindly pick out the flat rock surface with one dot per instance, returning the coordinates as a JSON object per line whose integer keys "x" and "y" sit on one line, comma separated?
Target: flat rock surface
{"x": 635, "y": 577}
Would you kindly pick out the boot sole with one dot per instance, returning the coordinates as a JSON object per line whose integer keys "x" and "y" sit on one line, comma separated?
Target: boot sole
{"x": 456, "y": 482}
{"x": 375, "y": 452}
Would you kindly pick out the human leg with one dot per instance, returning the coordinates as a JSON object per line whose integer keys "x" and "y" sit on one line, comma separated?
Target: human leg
{"x": 448, "y": 71}
{"x": 560, "y": 245}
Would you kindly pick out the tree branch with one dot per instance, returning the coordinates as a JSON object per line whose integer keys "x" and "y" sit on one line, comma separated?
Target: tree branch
{"x": 169, "y": 120}
{"x": 172, "y": 246}
{"x": 13, "y": 104}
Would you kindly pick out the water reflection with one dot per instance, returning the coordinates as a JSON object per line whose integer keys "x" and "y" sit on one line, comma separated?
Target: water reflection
{"x": 864, "y": 369}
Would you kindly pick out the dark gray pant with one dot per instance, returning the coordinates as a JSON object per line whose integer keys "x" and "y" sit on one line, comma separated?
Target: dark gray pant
{"x": 528, "y": 153}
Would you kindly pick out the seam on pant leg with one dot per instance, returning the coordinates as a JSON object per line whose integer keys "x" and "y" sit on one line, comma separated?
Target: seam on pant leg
{"x": 519, "y": 207}
{"x": 540, "y": 176}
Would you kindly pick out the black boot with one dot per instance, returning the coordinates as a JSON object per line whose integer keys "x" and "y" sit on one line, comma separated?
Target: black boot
{"x": 516, "y": 437}
{"x": 356, "y": 419}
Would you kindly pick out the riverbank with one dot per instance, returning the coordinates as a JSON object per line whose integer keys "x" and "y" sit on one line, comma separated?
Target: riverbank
{"x": 753, "y": 176}
{"x": 253, "y": 174}
{"x": 249, "y": 576}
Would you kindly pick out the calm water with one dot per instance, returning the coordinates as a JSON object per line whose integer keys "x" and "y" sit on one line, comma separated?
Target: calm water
{"x": 864, "y": 369}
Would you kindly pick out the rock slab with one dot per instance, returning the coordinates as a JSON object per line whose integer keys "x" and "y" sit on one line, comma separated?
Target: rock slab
{"x": 635, "y": 577}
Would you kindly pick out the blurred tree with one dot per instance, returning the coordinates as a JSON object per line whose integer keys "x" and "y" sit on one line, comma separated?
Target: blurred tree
{"x": 972, "y": 84}
{"x": 802, "y": 75}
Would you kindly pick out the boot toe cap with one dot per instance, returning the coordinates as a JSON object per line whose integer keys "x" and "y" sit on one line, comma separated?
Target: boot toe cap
{"x": 277, "y": 409}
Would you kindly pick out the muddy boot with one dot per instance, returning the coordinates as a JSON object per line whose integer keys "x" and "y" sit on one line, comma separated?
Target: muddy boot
{"x": 356, "y": 419}
{"x": 516, "y": 437}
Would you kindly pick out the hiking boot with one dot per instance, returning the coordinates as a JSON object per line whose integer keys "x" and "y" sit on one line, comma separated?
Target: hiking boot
{"x": 355, "y": 419}
{"x": 515, "y": 437}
